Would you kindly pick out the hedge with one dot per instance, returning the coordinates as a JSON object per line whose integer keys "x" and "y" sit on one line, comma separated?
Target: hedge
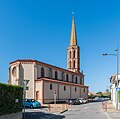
{"x": 11, "y": 98}
{"x": 119, "y": 96}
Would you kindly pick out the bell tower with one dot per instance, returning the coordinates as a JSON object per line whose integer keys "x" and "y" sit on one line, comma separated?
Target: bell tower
{"x": 73, "y": 56}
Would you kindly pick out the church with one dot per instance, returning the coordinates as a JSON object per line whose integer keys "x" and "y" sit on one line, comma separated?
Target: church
{"x": 44, "y": 80}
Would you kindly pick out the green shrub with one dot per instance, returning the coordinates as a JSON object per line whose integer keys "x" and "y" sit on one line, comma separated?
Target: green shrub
{"x": 8, "y": 96}
{"x": 119, "y": 96}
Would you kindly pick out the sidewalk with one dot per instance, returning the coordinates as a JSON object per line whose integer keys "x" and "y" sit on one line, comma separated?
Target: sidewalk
{"x": 109, "y": 107}
{"x": 110, "y": 110}
{"x": 57, "y": 108}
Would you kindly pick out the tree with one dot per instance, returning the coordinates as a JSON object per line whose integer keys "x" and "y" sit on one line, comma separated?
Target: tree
{"x": 107, "y": 90}
{"x": 99, "y": 94}
{"x": 91, "y": 96}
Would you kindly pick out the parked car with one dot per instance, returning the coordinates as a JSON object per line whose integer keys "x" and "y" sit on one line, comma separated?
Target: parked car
{"x": 31, "y": 103}
{"x": 73, "y": 102}
{"x": 82, "y": 100}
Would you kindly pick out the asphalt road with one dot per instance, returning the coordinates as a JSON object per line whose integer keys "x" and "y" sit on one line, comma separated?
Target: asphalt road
{"x": 86, "y": 111}
{"x": 40, "y": 113}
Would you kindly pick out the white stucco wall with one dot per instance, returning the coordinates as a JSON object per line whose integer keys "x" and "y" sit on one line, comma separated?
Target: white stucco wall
{"x": 64, "y": 94}
{"x": 49, "y": 94}
{"x": 61, "y": 93}
{"x": 28, "y": 70}
{"x": 75, "y": 94}
{"x": 84, "y": 94}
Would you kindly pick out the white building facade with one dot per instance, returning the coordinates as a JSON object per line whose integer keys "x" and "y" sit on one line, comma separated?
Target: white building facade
{"x": 114, "y": 88}
{"x": 45, "y": 80}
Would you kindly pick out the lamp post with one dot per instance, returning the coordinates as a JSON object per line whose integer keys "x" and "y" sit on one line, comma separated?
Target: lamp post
{"x": 116, "y": 75}
{"x": 24, "y": 93}
{"x": 25, "y": 82}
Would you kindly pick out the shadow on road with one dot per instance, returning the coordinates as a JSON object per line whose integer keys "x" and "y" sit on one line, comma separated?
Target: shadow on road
{"x": 93, "y": 101}
{"x": 41, "y": 115}
{"x": 42, "y": 107}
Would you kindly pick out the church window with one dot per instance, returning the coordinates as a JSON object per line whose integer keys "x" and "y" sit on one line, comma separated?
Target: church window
{"x": 56, "y": 75}
{"x": 14, "y": 71}
{"x": 84, "y": 90}
{"x": 72, "y": 78}
{"x": 67, "y": 77}
{"x": 63, "y": 76}
{"x": 81, "y": 80}
{"x": 74, "y": 54}
{"x": 70, "y": 64}
{"x": 42, "y": 72}
{"x": 50, "y": 86}
{"x": 75, "y": 89}
{"x": 74, "y": 64}
{"x": 76, "y": 79}
{"x": 50, "y": 73}
{"x": 70, "y": 54}
{"x": 64, "y": 88}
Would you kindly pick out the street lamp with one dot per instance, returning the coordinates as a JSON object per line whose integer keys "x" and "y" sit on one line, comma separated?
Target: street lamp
{"x": 25, "y": 82}
{"x": 117, "y": 74}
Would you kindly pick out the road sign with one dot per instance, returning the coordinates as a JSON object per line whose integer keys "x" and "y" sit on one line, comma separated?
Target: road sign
{"x": 55, "y": 96}
{"x": 26, "y": 82}
{"x": 118, "y": 88}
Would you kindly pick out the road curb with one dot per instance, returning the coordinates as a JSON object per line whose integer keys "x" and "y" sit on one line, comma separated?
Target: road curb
{"x": 63, "y": 111}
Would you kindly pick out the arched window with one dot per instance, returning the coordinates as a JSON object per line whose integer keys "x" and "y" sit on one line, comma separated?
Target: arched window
{"x": 76, "y": 80}
{"x": 42, "y": 72}
{"x": 56, "y": 75}
{"x": 70, "y": 64}
{"x": 70, "y": 54}
{"x": 64, "y": 88}
{"x": 74, "y": 64}
{"x": 50, "y": 86}
{"x": 72, "y": 78}
{"x": 62, "y": 76}
{"x": 80, "y": 80}
{"x": 84, "y": 90}
{"x": 50, "y": 73}
{"x": 75, "y": 89}
{"x": 67, "y": 77}
{"x": 74, "y": 54}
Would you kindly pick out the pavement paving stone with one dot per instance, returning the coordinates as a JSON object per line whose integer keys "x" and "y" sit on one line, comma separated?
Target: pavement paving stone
{"x": 111, "y": 111}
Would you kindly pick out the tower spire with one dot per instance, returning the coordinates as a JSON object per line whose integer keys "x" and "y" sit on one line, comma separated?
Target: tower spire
{"x": 73, "y": 59}
{"x": 73, "y": 38}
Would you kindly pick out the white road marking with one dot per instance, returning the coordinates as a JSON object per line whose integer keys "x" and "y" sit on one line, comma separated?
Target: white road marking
{"x": 108, "y": 117}
{"x": 86, "y": 107}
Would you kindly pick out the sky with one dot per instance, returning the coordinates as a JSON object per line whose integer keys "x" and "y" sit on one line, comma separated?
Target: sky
{"x": 40, "y": 29}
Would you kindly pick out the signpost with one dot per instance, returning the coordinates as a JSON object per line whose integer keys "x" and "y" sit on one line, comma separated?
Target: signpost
{"x": 118, "y": 96}
{"x": 25, "y": 82}
{"x": 55, "y": 96}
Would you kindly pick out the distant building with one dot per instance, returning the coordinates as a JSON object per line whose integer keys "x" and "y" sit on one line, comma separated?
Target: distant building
{"x": 91, "y": 93}
{"x": 113, "y": 86}
{"x": 45, "y": 80}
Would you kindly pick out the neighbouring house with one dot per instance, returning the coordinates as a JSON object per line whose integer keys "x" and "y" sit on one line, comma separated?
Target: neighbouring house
{"x": 45, "y": 80}
{"x": 91, "y": 93}
{"x": 114, "y": 88}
